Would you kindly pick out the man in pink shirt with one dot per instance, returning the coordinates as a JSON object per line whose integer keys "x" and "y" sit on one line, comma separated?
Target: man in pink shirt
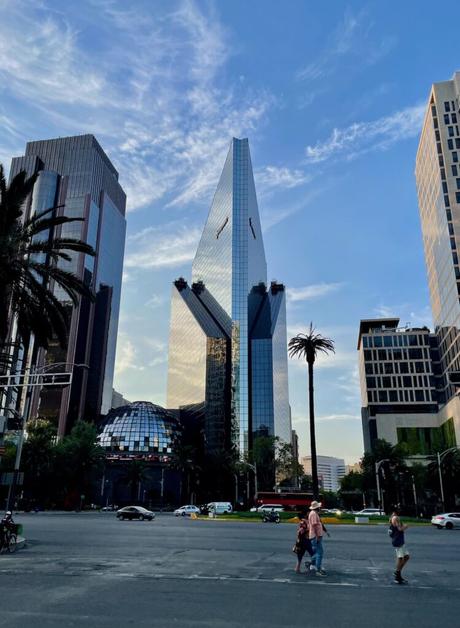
{"x": 316, "y": 529}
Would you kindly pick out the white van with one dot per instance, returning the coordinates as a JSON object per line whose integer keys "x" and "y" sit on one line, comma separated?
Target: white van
{"x": 220, "y": 508}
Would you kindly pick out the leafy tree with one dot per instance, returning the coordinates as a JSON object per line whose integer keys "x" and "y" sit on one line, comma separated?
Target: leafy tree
{"x": 288, "y": 469}
{"x": 30, "y": 252}
{"x": 38, "y": 459}
{"x": 134, "y": 474}
{"x": 79, "y": 459}
{"x": 308, "y": 346}
{"x": 394, "y": 455}
{"x": 450, "y": 469}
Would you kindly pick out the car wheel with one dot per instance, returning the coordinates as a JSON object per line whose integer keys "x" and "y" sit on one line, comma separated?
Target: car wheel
{"x": 183, "y": 514}
{"x": 449, "y": 525}
{"x": 141, "y": 517}
{"x": 439, "y": 527}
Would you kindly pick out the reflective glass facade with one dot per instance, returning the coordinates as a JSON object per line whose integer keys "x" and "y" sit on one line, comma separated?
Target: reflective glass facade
{"x": 139, "y": 428}
{"x": 229, "y": 278}
{"x": 76, "y": 175}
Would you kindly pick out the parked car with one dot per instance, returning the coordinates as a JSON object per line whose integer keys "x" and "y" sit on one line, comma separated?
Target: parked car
{"x": 183, "y": 511}
{"x": 220, "y": 508}
{"x": 267, "y": 508}
{"x": 369, "y": 512}
{"x": 448, "y": 520}
{"x": 109, "y": 508}
{"x": 135, "y": 512}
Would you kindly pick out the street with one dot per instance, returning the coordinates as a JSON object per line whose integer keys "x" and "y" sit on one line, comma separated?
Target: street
{"x": 88, "y": 569}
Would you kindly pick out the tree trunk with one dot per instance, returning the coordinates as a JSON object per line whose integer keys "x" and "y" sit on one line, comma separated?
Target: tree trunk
{"x": 311, "y": 403}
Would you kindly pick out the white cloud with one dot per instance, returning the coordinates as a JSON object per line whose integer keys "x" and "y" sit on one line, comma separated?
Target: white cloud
{"x": 280, "y": 177}
{"x": 362, "y": 137}
{"x": 312, "y": 291}
{"x": 154, "y": 99}
{"x": 338, "y": 417}
{"x": 155, "y": 301}
{"x": 162, "y": 247}
{"x": 405, "y": 312}
{"x": 127, "y": 358}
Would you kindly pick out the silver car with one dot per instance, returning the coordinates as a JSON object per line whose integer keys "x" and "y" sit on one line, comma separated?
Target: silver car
{"x": 448, "y": 520}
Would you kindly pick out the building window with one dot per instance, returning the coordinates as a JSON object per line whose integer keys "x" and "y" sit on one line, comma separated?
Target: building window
{"x": 382, "y": 354}
{"x": 451, "y": 229}
{"x": 446, "y": 118}
{"x": 441, "y": 160}
{"x": 393, "y": 395}
{"x": 450, "y": 145}
{"x": 457, "y": 197}
{"x": 454, "y": 118}
{"x": 454, "y": 171}
{"x": 377, "y": 341}
{"x": 458, "y": 184}
{"x": 403, "y": 367}
{"x": 383, "y": 396}
{"x": 370, "y": 382}
{"x": 446, "y": 106}
{"x": 369, "y": 369}
{"x": 446, "y": 200}
{"x": 455, "y": 157}
{"x": 443, "y": 174}
{"x": 388, "y": 368}
{"x": 457, "y": 142}
{"x": 365, "y": 341}
{"x": 386, "y": 382}
{"x": 387, "y": 341}
{"x": 419, "y": 396}
{"x": 450, "y": 130}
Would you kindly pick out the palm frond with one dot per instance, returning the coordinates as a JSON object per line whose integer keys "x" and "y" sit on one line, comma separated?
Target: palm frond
{"x": 308, "y": 345}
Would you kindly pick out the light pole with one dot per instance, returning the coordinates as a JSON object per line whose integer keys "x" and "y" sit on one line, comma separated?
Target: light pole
{"x": 30, "y": 379}
{"x": 377, "y": 477}
{"x": 440, "y": 456}
{"x": 254, "y": 468}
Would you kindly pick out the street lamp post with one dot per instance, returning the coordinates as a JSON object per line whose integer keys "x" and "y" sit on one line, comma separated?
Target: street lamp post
{"x": 378, "y": 464}
{"x": 30, "y": 379}
{"x": 254, "y": 468}
{"x": 440, "y": 456}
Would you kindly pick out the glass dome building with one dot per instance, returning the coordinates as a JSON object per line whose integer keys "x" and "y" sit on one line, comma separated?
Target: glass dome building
{"x": 139, "y": 428}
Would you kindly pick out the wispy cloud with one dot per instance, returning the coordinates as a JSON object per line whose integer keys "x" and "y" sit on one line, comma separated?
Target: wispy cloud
{"x": 313, "y": 291}
{"x": 280, "y": 177}
{"x": 353, "y": 38}
{"x": 155, "y": 99}
{"x": 162, "y": 247}
{"x": 406, "y": 313}
{"x": 362, "y": 137}
{"x": 339, "y": 417}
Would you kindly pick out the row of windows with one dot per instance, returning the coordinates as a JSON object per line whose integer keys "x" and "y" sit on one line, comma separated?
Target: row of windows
{"x": 397, "y": 340}
{"x": 398, "y": 381}
{"x": 450, "y": 119}
{"x": 396, "y": 354}
{"x": 401, "y": 396}
{"x": 449, "y": 105}
{"x": 389, "y": 368}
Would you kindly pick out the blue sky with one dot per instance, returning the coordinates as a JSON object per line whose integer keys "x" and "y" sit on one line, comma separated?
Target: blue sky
{"x": 331, "y": 99}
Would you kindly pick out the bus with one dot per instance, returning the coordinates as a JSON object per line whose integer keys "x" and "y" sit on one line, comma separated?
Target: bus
{"x": 289, "y": 501}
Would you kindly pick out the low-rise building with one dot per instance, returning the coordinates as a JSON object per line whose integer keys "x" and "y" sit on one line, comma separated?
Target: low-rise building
{"x": 330, "y": 471}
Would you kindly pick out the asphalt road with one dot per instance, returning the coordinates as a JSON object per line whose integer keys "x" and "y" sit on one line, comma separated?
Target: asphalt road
{"x": 90, "y": 570}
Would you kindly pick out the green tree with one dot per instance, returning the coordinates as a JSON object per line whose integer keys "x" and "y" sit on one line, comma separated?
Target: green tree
{"x": 38, "y": 460}
{"x": 79, "y": 460}
{"x": 288, "y": 469}
{"x": 450, "y": 469}
{"x": 308, "y": 346}
{"x": 135, "y": 473}
{"x": 30, "y": 252}
{"x": 394, "y": 455}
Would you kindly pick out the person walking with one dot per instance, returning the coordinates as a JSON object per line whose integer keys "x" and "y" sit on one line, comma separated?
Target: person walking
{"x": 302, "y": 543}
{"x": 316, "y": 530}
{"x": 396, "y": 532}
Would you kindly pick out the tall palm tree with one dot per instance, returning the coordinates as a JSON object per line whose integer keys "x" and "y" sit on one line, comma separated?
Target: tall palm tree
{"x": 30, "y": 252}
{"x": 308, "y": 346}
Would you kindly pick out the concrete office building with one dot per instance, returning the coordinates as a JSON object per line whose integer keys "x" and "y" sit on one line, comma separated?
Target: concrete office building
{"x": 75, "y": 174}
{"x": 330, "y": 471}
{"x": 422, "y": 406}
{"x": 228, "y": 342}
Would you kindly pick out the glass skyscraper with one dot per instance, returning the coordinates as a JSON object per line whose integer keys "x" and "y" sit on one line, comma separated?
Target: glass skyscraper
{"x": 228, "y": 345}
{"x": 75, "y": 174}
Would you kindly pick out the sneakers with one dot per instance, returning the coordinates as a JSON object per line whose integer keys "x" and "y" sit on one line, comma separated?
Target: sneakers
{"x": 307, "y": 565}
{"x": 321, "y": 573}
{"x": 398, "y": 578}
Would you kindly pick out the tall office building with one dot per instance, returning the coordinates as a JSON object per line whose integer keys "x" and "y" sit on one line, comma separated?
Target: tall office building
{"x": 76, "y": 176}
{"x": 330, "y": 471}
{"x": 420, "y": 405}
{"x": 228, "y": 343}
{"x": 438, "y": 185}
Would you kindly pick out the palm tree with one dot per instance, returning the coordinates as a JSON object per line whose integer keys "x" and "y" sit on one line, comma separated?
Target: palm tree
{"x": 30, "y": 252}
{"x": 308, "y": 346}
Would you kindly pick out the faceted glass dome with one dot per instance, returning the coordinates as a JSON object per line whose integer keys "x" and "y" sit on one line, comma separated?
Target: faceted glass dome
{"x": 139, "y": 428}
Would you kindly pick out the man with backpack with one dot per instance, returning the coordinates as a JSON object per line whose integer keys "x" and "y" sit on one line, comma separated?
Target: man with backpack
{"x": 396, "y": 532}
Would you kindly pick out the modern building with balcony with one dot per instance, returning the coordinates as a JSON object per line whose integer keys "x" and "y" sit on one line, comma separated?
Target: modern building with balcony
{"x": 228, "y": 342}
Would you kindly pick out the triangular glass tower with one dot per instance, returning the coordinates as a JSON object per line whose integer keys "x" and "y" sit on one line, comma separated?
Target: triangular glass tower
{"x": 240, "y": 387}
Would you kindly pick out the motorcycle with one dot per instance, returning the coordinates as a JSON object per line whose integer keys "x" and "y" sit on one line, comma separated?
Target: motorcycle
{"x": 271, "y": 517}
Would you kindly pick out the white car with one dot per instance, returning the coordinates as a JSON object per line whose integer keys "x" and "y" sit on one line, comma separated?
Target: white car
{"x": 220, "y": 508}
{"x": 369, "y": 512}
{"x": 183, "y": 511}
{"x": 448, "y": 520}
{"x": 268, "y": 508}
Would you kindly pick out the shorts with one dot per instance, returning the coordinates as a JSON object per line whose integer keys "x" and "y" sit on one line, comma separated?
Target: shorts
{"x": 401, "y": 552}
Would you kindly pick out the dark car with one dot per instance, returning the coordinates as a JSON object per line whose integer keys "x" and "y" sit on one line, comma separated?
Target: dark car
{"x": 135, "y": 512}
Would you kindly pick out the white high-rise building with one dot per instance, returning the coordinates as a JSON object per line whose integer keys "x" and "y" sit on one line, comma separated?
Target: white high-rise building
{"x": 330, "y": 471}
